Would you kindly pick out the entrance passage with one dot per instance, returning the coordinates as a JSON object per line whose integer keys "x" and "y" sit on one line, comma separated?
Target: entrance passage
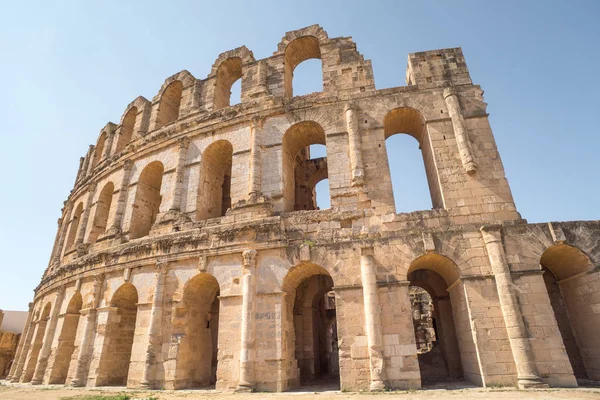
{"x": 197, "y": 324}
{"x": 434, "y": 320}
{"x": 315, "y": 328}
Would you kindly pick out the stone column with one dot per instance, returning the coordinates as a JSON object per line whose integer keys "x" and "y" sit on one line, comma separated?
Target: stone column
{"x": 85, "y": 216}
{"x": 177, "y": 187}
{"x": 89, "y": 329}
{"x": 262, "y": 75}
{"x": 107, "y": 146}
{"x": 86, "y": 162}
{"x": 460, "y": 130}
{"x": 255, "y": 157}
{"x": 155, "y": 327}
{"x": 527, "y": 373}
{"x": 42, "y": 361}
{"x": 79, "y": 171}
{"x": 63, "y": 233}
{"x": 57, "y": 238}
{"x": 354, "y": 142}
{"x": 20, "y": 346}
{"x": 368, "y": 274}
{"x": 26, "y": 339}
{"x": 91, "y": 165}
{"x": 116, "y": 223}
{"x": 248, "y": 350}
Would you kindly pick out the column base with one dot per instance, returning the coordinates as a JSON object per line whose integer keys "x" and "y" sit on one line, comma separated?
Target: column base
{"x": 377, "y": 386}
{"x": 532, "y": 382}
{"x": 35, "y": 382}
{"x": 244, "y": 389}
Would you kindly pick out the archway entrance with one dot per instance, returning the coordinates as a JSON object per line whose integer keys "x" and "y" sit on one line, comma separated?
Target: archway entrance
{"x": 565, "y": 277}
{"x": 66, "y": 340}
{"x": 197, "y": 325}
{"x": 434, "y": 321}
{"x": 312, "y": 314}
{"x": 113, "y": 369}
{"x": 37, "y": 343}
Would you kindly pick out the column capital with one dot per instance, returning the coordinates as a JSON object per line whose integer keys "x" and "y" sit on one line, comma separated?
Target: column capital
{"x": 491, "y": 233}
{"x": 162, "y": 267}
{"x": 350, "y": 106}
{"x": 183, "y": 143}
{"x": 257, "y": 121}
{"x": 127, "y": 165}
{"x": 449, "y": 91}
{"x": 249, "y": 258}
{"x": 98, "y": 279}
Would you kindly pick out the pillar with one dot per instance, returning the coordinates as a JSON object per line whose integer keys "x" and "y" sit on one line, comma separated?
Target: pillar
{"x": 117, "y": 221}
{"x": 21, "y": 345}
{"x": 155, "y": 327}
{"x": 107, "y": 145}
{"x": 368, "y": 274}
{"x": 177, "y": 187}
{"x": 85, "y": 347}
{"x": 87, "y": 160}
{"x": 79, "y": 171}
{"x": 248, "y": 348}
{"x": 92, "y": 156}
{"x": 63, "y": 233}
{"x": 42, "y": 361}
{"x": 460, "y": 130}
{"x": 19, "y": 363}
{"x": 255, "y": 157}
{"x": 354, "y": 142}
{"x": 527, "y": 373}
{"x": 86, "y": 215}
{"x": 262, "y": 75}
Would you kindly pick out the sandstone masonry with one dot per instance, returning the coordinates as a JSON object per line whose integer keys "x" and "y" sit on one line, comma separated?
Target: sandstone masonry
{"x": 190, "y": 253}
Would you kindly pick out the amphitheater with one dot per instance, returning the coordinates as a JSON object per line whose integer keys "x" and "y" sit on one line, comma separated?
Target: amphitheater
{"x": 191, "y": 253}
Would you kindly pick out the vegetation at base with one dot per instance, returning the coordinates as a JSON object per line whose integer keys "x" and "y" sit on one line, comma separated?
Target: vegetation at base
{"x": 109, "y": 397}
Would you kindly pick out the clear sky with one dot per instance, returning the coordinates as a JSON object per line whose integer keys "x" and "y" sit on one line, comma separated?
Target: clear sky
{"x": 70, "y": 67}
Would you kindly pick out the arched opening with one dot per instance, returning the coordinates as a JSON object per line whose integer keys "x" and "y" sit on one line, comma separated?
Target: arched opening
{"x": 197, "y": 324}
{"x": 229, "y": 71}
{"x": 66, "y": 341}
{"x": 37, "y": 343}
{"x": 311, "y": 320}
{"x": 126, "y": 129}
{"x": 214, "y": 190}
{"x": 299, "y": 50}
{"x": 308, "y": 77}
{"x": 566, "y": 280}
{"x": 99, "y": 150}
{"x": 434, "y": 319}
{"x": 411, "y": 122}
{"x": 301, "y": 172}
{"x": 113, "y": 368}
{"x": 147, "y": 200}
{"x": 102, "y": 211}
{"x": 170, "y": 102}
{"x": 74, "y": 226}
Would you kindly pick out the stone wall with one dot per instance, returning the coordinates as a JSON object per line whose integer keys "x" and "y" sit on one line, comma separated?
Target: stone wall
{"x": 188, "y": 253}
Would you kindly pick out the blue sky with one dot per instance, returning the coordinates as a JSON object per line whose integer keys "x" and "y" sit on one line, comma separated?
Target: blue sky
{"x": 70, "y": 67}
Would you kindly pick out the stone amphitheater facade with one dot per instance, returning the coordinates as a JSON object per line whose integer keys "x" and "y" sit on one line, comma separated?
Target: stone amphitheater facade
{"x": 190, "y": 252}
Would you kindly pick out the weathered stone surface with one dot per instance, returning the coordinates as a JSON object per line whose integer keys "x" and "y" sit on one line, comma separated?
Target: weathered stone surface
{"x": 190, "y": 252}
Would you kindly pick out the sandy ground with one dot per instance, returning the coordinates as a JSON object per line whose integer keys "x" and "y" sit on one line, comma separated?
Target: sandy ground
{"x": 27, "y": 392}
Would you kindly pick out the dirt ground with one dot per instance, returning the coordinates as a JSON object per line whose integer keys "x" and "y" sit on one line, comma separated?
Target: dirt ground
{"x": 27, "y": 392}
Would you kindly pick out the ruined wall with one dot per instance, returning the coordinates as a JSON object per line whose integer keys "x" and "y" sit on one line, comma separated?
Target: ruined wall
{"x": 186, "y": 229}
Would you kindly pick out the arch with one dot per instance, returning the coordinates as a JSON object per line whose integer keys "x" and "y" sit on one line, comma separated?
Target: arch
{"x": 146, "y": 204}
{"x": 214, "y": 189}
{"x": 435, "y": 318}
{"x": 438, "y": 263}
{"x": 228, "y": 72}
{"x": 565, "y": 261}
{"x": 37, "y": 343}
{"x": 297, "y": 51}
{"x": 196, "y": 321}
{"x": 75, "y": 220}
{"x": 99, "y": 149}
{"x": 300, "y": 173}
{"x": 573, "y": 298}
{"x": 113, "y": 368}
{"x": 310, "y": 319}
{"x": 170, "y": 103}
{"x": 127, "y": 127}
{"x": 409, "y": 121}
{"x": 66, "y": 340}
{"x": 102, "y": 211}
